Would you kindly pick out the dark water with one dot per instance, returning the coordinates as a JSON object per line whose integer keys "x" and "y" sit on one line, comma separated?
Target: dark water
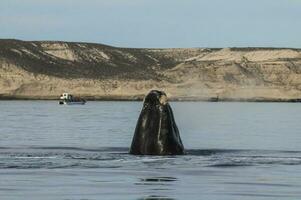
{"x": 234, "y": 151}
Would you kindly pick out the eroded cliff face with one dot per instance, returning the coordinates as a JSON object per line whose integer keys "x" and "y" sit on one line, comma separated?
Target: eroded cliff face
{"x": 44, "y": 70}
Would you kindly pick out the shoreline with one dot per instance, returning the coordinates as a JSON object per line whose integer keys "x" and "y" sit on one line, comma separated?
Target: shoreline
{"x": 140, "y": 98}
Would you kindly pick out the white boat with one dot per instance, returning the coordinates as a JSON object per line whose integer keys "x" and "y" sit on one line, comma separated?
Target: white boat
{"x": 68, "y": 99}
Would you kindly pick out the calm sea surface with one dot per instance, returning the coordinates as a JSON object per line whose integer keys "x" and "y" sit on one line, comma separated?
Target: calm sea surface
{"x": 234, "y": 151}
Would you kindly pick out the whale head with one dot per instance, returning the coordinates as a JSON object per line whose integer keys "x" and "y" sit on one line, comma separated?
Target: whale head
{"x": 156, "y": 132}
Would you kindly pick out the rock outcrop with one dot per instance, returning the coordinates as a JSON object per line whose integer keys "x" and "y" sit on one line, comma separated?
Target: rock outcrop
{"x": 44, "y": 70}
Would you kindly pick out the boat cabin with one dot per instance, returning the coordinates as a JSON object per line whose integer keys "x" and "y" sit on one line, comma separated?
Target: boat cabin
{"x": 66, "y": 96}
{"x": 68, "y": 99}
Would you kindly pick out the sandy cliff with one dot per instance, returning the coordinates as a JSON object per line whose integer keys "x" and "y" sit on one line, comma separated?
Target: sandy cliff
{"x": 43, "y": 70}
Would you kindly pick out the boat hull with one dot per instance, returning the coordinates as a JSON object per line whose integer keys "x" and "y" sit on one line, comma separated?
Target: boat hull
{"x": 75, "y": 103}
{"x": 72, "y": 103}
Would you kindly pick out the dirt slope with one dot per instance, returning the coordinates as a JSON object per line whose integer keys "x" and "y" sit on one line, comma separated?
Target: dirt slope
{"x": 43, "y": 70}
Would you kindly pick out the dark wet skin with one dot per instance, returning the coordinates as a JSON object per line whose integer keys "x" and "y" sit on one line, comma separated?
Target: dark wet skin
{"x": 156, "y": 132}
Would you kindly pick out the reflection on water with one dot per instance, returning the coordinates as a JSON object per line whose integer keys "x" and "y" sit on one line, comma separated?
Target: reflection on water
{"x": 156, "y": 185}
{"x": 154, "y": 197}
{"x": 158, "y": 179}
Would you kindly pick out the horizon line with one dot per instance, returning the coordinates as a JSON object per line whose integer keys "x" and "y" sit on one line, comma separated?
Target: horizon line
{"x": 121, "y": 47}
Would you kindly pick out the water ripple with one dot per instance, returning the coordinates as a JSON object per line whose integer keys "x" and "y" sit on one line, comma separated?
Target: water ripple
{"x": 116, "y": 157}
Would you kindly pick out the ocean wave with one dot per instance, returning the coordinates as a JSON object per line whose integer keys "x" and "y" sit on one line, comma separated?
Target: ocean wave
{"x": 116, "y": 157}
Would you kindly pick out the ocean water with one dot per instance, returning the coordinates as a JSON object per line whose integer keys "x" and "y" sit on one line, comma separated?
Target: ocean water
{"x": 234, "y": 151}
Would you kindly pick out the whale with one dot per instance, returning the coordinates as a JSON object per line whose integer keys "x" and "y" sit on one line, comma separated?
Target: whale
{"x": 156, "y": 132}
